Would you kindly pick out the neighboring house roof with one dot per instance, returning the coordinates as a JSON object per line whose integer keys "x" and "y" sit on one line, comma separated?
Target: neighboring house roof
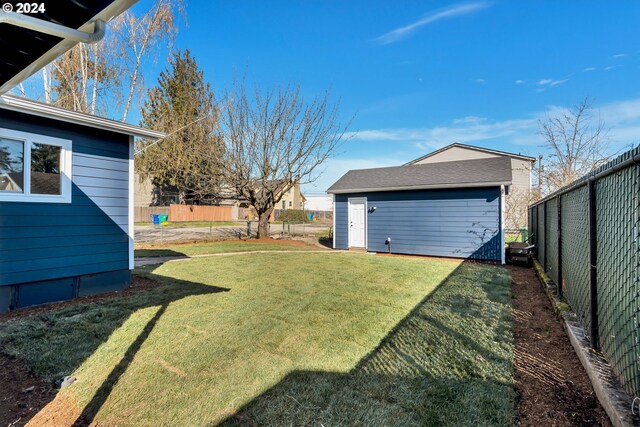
{"x": 471, "y": 147}
{"x": 41, "y": 182}
{"x": 6, "y": 179}
{"x": 465, "y": 173}
{"x": 45, "y": 183}
{"x": 25, "y": 51}
{"x": 23, "y": 105}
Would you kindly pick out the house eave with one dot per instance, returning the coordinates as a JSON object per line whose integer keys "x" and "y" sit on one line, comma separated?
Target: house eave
{"x": 22, "y": 105}
{"x": 471, "y": 147}
{"x": 108, "y": 13}
{"x": 420, "y": 187}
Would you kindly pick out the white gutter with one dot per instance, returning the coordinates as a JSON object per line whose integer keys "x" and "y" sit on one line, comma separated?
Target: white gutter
{"x": 107, "y": 14}
{"x": 22, "y": 105}
{"x": 53, "y": 29}
{"x": 421, "y": 187}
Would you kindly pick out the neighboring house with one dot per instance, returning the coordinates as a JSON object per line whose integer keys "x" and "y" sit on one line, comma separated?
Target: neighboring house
{"x": 143, "y": 192}
{"x": 292, "y": 198}
{"x": 66, "y": 194}
{"x": 519, "y": 193}
{"x": 146, "y": 194}
{"x": 451, "y": 209}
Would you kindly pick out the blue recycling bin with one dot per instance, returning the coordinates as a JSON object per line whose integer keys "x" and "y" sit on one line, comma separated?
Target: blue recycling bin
{"x": 156, "y": 219}
{"x": 310, "y": 216}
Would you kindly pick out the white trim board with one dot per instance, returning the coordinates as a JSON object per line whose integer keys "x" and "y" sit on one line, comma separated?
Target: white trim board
{"x": 333, "y": 198}
{"x": 502, "y": 235}
{"x": 131, "y": 202}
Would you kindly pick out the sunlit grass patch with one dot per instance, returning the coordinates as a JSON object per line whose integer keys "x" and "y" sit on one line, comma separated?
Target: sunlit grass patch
{"x": 286, "y": 339}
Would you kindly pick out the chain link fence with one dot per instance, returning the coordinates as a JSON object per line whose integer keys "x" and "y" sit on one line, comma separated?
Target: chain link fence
{"x": 586, "y": 238}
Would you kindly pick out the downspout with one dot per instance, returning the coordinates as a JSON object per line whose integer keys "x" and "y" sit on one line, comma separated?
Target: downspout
{"x": 53, "y": 29}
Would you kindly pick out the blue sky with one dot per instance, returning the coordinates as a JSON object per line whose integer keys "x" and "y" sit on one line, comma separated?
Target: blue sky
{"x": 419, "y": 75}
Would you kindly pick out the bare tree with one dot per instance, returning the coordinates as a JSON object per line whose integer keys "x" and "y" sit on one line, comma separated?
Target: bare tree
{"x": 105, "y": 77}
{"x": 272, "y": 140}
{"x": 81, "y": 76}
{"x": 516, "y": 207}
{"x": 138, "y": 38}
{"x": 577, "y": 145}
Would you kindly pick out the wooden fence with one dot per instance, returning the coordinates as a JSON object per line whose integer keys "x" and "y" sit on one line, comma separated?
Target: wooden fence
{"x": 144, "y": 213}
{"x": 183, "y": 213}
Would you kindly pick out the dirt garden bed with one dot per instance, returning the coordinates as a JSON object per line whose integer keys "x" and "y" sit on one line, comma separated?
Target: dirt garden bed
{"x": 22, "y": 394}
{"x": 553, "y": 387}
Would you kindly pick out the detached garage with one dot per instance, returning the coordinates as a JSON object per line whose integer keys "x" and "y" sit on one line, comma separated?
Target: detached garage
{"x": 451, "y": 209}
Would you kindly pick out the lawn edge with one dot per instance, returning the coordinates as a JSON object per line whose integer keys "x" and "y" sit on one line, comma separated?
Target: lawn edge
{"x": 613, "y": 398}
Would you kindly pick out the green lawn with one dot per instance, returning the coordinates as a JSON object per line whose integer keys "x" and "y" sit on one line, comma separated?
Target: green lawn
{"x": 286, "y": 339}
{"x": 220, "y": 247}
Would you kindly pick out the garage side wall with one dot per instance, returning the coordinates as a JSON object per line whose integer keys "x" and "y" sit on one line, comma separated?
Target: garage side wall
{"x": 459, "y": 223}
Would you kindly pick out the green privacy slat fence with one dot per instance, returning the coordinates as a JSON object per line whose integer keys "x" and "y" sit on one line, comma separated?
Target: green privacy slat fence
{"x": 541, "y": 236}
{"x": 551, "y": 233}
{"x": 575, "y": 252}
{"x": 616, "y": 210}
{"x": 617, "y": 244}
{"x": 533, "y": 227}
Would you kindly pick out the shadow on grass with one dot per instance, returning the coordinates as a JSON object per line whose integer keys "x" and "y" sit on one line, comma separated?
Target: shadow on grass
{"x": 443, "y": 364}
{"x": 327, "y": 242}
{"x": 155, "y": 253}
{"x": 99, "y": 320}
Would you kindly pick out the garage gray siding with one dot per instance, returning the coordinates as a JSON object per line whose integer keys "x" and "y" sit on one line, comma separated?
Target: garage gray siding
{"x": 48, "y": 241}
{"x": 460, "y": 223}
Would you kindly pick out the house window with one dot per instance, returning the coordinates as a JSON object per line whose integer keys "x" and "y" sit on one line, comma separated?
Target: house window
{"x": 34, "y": 168}
{"x": 290, "y": 203}
{"x": 284, "y": 205}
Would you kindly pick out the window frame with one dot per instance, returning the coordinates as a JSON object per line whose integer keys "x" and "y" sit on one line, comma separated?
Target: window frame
{"x": 66, "y": 166}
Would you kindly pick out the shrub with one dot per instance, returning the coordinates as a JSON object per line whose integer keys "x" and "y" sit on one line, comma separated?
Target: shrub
{"x": 293, "y": 215}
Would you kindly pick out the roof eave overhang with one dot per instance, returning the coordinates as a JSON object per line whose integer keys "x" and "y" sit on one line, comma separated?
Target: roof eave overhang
{"x": 471, "y": 147}
{"x": 8, "y": 102}
{"x": 108, "y": 13}
{"x": 421, "y": 187}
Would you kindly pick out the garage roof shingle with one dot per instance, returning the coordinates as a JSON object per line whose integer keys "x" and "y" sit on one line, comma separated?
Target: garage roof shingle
{"x": 465, "y": 173}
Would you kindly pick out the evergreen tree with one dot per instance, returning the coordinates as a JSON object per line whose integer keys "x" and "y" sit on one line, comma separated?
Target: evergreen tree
{"x": 181, "y": 105}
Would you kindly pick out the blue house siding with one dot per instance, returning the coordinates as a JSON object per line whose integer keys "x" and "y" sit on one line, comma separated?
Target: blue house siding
{"x": 49, "y": 250}
{"x": 460, "y": 223}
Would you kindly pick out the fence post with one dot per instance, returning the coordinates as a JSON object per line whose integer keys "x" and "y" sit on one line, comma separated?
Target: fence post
{"x": 593, "y": 277}
{"x": 559, "y": 284}
{"x": 546, "y": 245}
